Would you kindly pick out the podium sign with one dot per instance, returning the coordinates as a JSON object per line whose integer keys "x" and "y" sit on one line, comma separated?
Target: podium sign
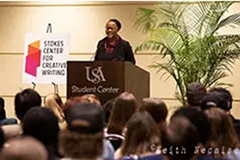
{"x": 106, "y": 79}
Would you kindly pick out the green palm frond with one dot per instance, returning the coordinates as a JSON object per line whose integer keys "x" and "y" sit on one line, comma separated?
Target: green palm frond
{"x": 233, "y": 19}
{"x": 186, "y": 36}
{"x": 147, "y": 19}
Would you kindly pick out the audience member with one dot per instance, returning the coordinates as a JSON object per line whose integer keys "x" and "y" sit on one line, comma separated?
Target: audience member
{"x": 157, "y": 109}
{"x": 195, "y": 93}
{"x": 125, "y": 106}
{"x": 223, "y": 135}
{"x": 92, "y": 98}
{"x": 23, "y": 148}
{"x": 108, "y": 150}
{"x": 83, "y": 137}
{"x": 2, "y": 109}
{"x": 222, "y": 98}
{"x": 3, "y": 119}
{"x": 2, "y": 138}
{"x": 141, "y": 137}
{"x": 25, "y": 100}
{"x": 179, "y": 139}
{"x": 42, "y": 124}
{"x": 199, "y": 119}
{"x": 54, "y": 102}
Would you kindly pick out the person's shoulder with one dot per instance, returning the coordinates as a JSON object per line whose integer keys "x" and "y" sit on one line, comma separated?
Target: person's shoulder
{"x": 124, "y": 41}
{"x": 101, "y": 41}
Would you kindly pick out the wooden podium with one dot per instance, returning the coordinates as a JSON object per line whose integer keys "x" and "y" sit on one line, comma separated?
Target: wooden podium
{"x": 106, "y": 79}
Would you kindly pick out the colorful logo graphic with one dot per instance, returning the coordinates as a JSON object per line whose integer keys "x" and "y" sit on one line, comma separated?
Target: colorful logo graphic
{"x": 33, "y": 58}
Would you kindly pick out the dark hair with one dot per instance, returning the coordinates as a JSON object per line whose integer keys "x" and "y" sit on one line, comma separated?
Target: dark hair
{"x": 41, "y": 123}
{"x": 25, "y": 100}
{"x": 195, "y": 93}
{"x": 156, "y": 107}
{"x": 199, "y": 119}
{"x": 117, "y": 23}
{"x": 180, "y": 134}
{"x": 141, "y": 135}
{"x": 216, "y": 99}
{"x": 2, "y": 110}
{"x": 124, "y": 107}
{"x": 79, "y": 145}
{"x": 87, "y": 118}
{"x": 223, "y": 132}
{"x": 227, "y": 96}
{"x": 2, "y": 138}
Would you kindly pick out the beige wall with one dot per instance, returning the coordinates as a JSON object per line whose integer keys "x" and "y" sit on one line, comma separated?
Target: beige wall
{"x": 85, "y": 21}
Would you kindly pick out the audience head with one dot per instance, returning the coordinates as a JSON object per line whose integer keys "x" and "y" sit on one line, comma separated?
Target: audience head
{"x": 141, "y": 136}
{"x": 179, "y": 139}
{"x": 227, "y": 96}
{"x": 195, "y": 93}
{"x": 53, "y": 97}
{"x": 23, "y": 148}
{"x": 54, "y": 102}
{"x": 25, "y": 100}
{"x": 124, "y": 107}
{"x": 2, "y": 110}
{"x": 157, "y": 109}
{"x": 216, "y": 99}
{"x": 2, "y": 137}
{"x": 223, "y": 132}
{"x": 73, "y": 101}
{"x": 91, "y": 98}
{"x": 42, "y": 124}
{"x": 199, "y": 119}
{"x": 83, "y": 137}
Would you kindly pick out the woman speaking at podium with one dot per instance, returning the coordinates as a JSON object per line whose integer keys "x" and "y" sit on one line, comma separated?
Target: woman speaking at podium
{"x": 113, "y": 47}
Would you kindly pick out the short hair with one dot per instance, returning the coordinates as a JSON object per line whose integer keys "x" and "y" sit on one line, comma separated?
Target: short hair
{"x": 199, "y": 119}
{"x": 25, "y": 100}
{"x": 85, "y": 118}
{"x": 195, "y": 93}
{"x": 117, "y": 22}
{"x": 216, "y": 99}
{"x": 156, "y": 107}
{"x": 180, "y": 134}
{"x": 227, "y": 96}
{"x": 79, "y": 145}
{"x": 23, "y": 148}
{"x": 83, "y": 137}
{"x": 41, "y": 123}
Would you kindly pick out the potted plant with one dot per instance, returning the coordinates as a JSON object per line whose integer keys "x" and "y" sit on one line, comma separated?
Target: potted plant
{"x": 187, "y": 36}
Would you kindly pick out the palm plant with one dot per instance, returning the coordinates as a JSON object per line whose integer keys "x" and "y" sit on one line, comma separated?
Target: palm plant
{"x": 187, "y": 36}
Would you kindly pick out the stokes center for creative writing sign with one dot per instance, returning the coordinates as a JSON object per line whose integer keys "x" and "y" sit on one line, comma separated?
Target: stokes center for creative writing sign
{"x": 45, "y": 58}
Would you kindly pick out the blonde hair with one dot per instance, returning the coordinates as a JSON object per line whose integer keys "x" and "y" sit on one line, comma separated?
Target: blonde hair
{"x": 53, "y": 102}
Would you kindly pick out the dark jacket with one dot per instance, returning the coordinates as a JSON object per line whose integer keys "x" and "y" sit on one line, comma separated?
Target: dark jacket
{"x": 122, "y": 52}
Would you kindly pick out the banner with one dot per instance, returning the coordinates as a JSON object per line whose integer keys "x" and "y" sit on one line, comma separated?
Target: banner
{"x": 45, "y": 58}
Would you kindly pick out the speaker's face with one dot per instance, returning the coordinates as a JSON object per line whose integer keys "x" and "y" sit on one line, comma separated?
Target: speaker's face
{"x": 111, "y": 29}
